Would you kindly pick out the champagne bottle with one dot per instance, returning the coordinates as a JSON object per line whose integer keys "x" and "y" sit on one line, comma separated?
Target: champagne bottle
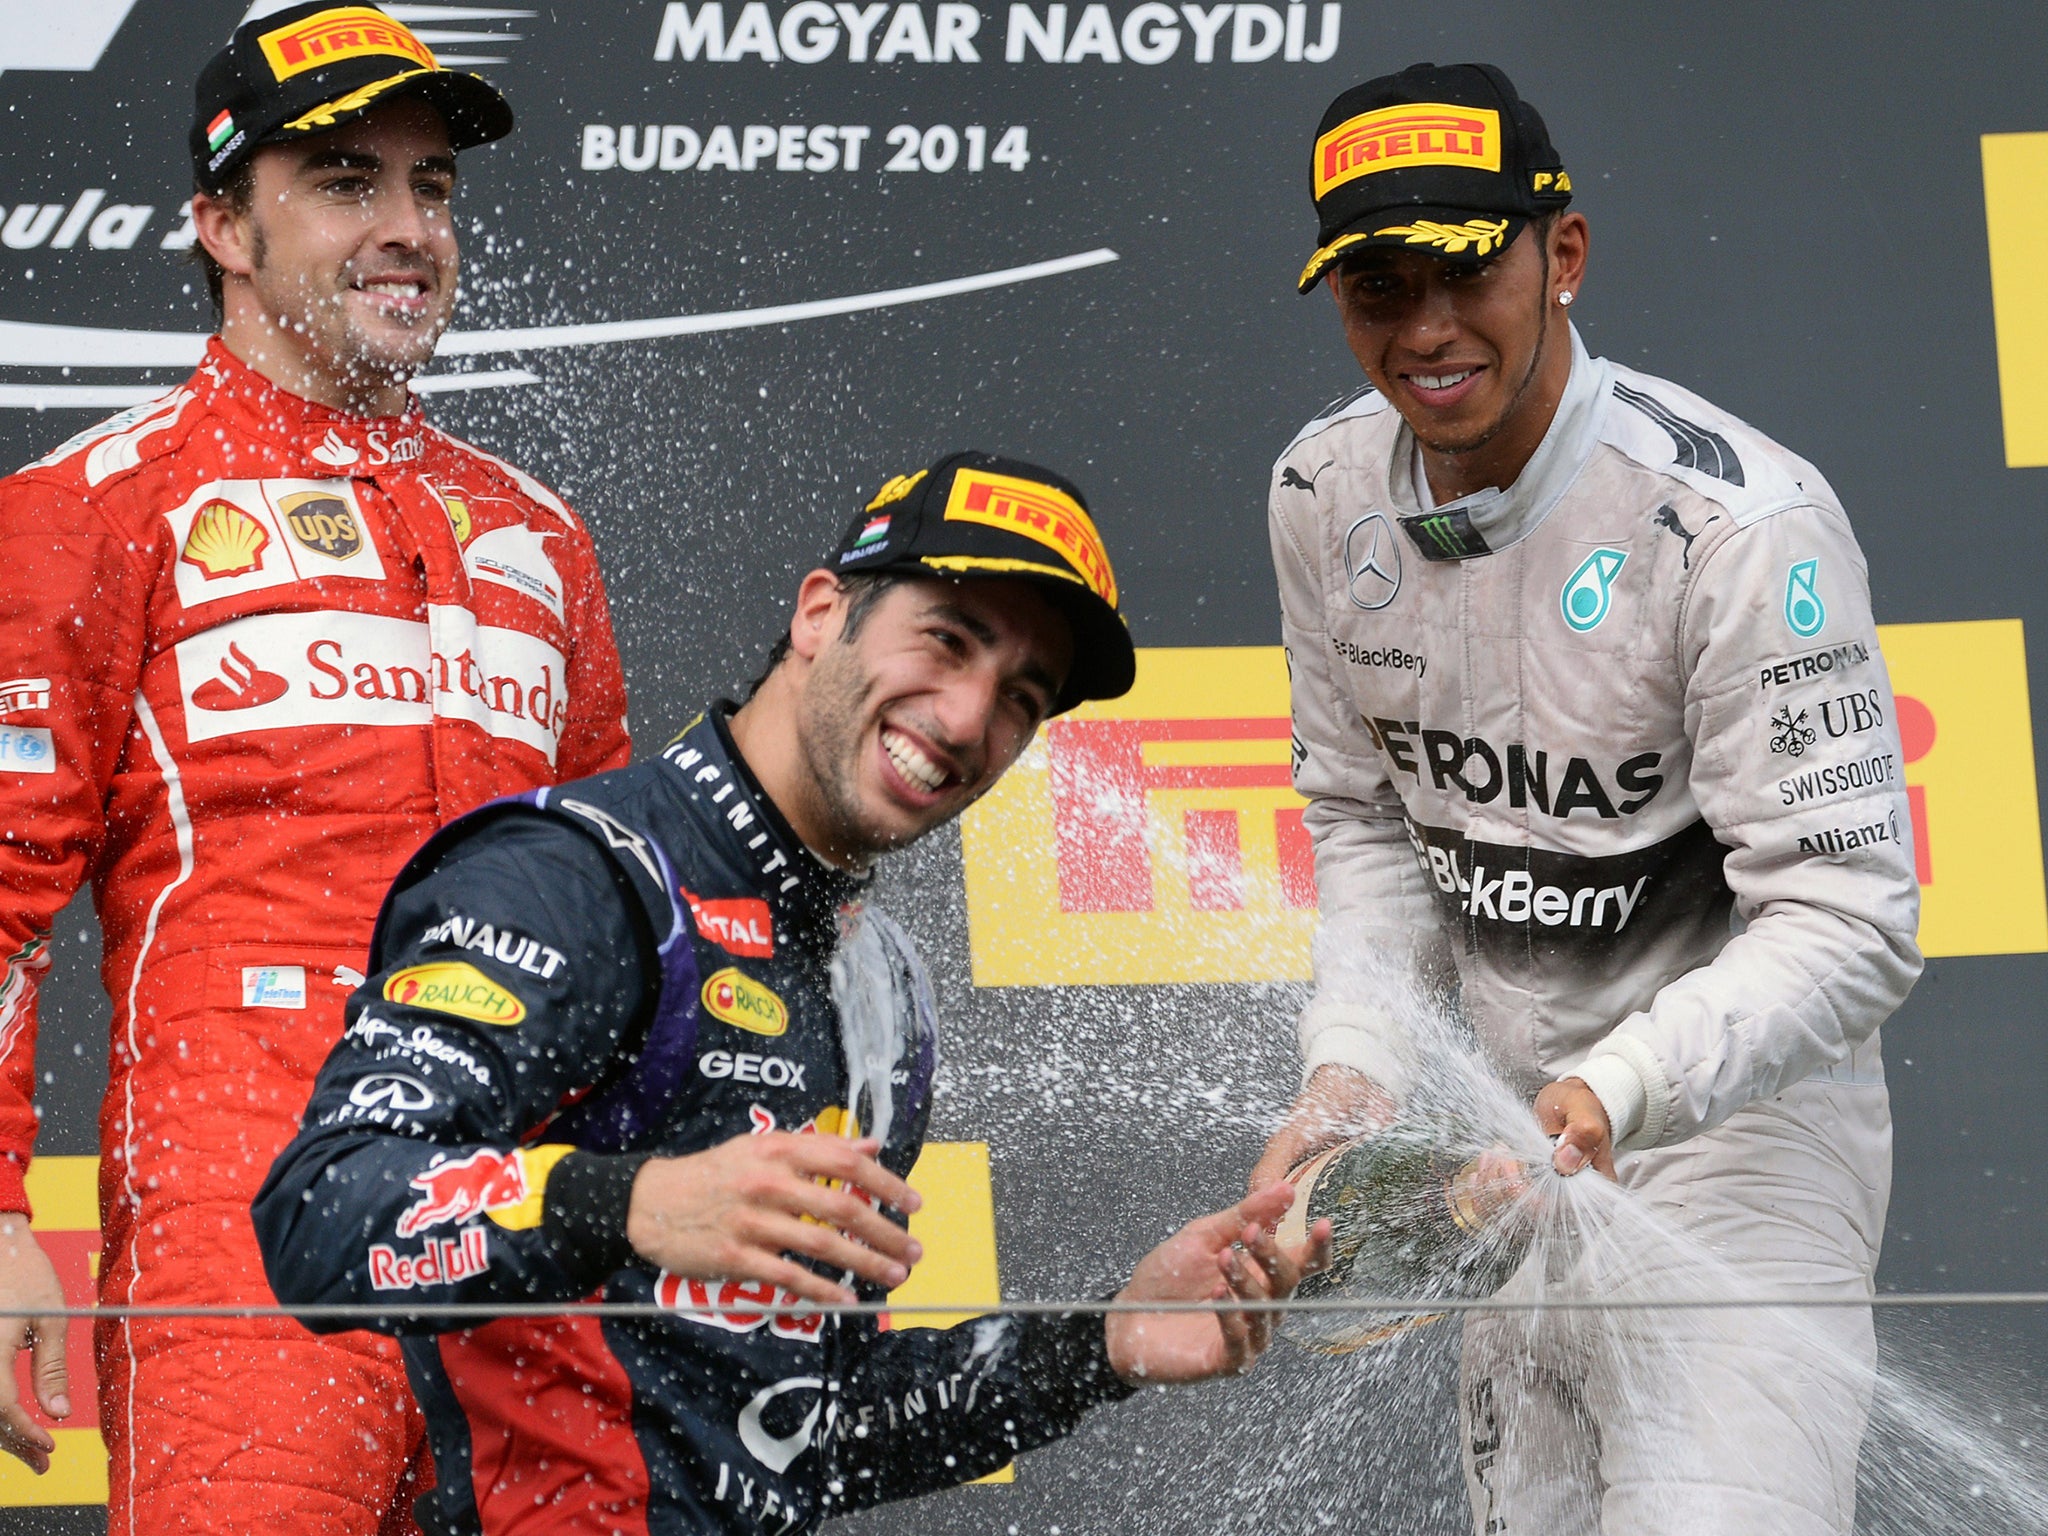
{"x": 1408, "y": 1220}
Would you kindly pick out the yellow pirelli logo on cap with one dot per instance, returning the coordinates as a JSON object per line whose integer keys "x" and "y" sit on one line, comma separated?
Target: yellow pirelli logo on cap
{"x": 347, "y": 32}
{"x": 1042, "y": 513}
{"x": 1423, "y": 133}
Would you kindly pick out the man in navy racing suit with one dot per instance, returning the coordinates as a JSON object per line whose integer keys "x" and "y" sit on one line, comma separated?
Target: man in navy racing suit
{"x": 636, "y": 1037}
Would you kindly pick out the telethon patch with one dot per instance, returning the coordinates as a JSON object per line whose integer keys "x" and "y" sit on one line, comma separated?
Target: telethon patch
{"x": 455, "y": 987}
{"x": 273, "y": 986}
{"x": 1395, "y": 138}
{"x": 744, "y": 1003}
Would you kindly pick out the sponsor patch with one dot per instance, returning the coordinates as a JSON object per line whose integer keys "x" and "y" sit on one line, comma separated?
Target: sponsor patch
{"x": 749, "y": 1067}
{"x": 273, "y": 986}
{"x": 1373, "y": 558}
{"x": 724, "y": 1303}
{"x": 27, "y": 749}
{"x": 1796, "y": 669}
{"x": 484, "y": 1183}
{"x": 225, "y": 541}
{"x": 24, "y": 693}
{"x": 220, "y": 130}
{"x": 515, "y": 556}
{"x": 391, "y": 1093}
{"x": 1042, "y": 513}
{"x": 453, "y": 986}
{"x": 445, "y": 1262}
{"x": 505, "y": 945}
{"x": 240, "y": 536}
{"x": 347, "y": 32}
{"x": 1790, "y": 734}
{"x": 323, "y": 523}
{"x": 735, "y": 997}
{"x": 458, "y": 517}
{"x": 740, "y": 925}
{"x": 1589, "y": 591}
{"x": 275, "y": 671}
{"x": 1805, "y": 613}
{"x": 1418, "y": 133}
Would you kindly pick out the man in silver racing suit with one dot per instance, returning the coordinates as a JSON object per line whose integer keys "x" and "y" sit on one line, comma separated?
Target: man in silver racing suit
{"x": 1590, "y": 714}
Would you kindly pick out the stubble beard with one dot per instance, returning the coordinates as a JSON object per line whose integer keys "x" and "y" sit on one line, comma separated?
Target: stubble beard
{"x": 360, "y": 362}
{"x": 829, "y": 728}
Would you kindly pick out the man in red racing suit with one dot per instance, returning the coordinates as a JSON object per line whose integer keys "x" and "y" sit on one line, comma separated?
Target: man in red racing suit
{"x": 253, "y": 651}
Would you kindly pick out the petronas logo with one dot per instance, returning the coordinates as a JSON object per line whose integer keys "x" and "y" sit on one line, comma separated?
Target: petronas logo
{"x": 1590, "y": 591}
{"x": 1805, "y": 613}
{"x": 1480, "y": 236}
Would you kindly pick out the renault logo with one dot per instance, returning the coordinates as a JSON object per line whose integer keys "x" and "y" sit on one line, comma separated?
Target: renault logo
{"x": 1373, "y": 558}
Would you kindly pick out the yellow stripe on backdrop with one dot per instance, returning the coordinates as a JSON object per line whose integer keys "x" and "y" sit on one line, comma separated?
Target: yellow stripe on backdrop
{"x": 2016, "y": 222}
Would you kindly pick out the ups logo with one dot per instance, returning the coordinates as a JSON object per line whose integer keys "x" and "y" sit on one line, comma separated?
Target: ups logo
{"x": 323, "y": 523}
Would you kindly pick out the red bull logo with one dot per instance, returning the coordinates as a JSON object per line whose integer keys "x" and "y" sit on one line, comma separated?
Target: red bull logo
{"x": 445, "y": 1262}
{"x": 462, "y": 1188}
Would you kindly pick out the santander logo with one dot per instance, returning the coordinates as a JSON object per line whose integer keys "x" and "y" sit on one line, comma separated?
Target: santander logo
{"x": 241, "y": 685}
{"x": 326, "y": 669}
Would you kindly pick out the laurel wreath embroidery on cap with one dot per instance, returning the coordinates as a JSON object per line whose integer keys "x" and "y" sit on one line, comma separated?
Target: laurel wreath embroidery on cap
{"x": 1453, "y": 239}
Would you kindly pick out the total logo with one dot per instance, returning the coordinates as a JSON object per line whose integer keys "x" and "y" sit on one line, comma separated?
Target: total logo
{"x": 271, "y": 672}
{"x": 739, "y": 925}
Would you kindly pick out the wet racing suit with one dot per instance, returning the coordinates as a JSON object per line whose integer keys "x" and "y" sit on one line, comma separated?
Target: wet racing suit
{"x": 1616, "y": 750}
{"x": 637, "y": 965}
{"x": 253, "y": 652}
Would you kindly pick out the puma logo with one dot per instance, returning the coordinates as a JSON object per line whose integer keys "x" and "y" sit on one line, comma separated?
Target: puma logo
{"x": 1667, "y": 517}
{"x": 1291, "y": 478}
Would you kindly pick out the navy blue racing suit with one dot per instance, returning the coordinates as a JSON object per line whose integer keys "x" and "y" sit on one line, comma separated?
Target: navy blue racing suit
{"x": 564, "y": 985}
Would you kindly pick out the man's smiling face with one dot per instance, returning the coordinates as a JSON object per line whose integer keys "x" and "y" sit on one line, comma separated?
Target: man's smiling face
{"x": 1458, "y": 348}
{"x": 351, "y": 253}
{"x": 909, "y": 719}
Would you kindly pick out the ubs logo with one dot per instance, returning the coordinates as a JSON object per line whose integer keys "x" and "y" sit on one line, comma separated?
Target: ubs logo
{"x": 323, "y": 523}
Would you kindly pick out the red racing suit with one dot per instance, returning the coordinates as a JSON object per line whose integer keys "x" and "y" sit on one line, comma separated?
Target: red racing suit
{"x": 253, "y": 652}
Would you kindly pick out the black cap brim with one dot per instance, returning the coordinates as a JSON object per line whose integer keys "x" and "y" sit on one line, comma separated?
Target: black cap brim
{"x": 1105, "y": 661}
{"x": 474, "y": 110}
{"x": 1450, "y": 234}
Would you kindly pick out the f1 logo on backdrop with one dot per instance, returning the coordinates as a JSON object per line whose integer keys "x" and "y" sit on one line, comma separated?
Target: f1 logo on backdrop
{"x": 1156, "y": 839}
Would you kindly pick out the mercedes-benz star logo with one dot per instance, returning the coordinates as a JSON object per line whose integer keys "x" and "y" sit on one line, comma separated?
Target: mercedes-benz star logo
{"x": 1373, "y": 557}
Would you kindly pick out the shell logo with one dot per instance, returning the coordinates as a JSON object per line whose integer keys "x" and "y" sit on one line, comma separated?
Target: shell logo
{"x": 744, "y": 1003}
{"x": 225, "y": 541}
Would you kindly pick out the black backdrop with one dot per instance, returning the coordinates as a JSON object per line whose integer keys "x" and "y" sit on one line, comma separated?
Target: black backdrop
{"x": 1788, "y": 217}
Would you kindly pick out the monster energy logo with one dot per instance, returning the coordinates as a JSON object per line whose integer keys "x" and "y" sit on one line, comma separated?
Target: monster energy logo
{"x": 1438, "y": 530}
{"x": 1445, "y": 535}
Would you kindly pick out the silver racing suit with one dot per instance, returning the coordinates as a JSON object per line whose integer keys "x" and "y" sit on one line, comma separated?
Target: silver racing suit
{"x": 1615, "y": 748}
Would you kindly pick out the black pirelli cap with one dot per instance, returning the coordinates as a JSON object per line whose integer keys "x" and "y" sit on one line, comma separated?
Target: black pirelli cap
{"x": 975, "y": 515}
{"x": 1443, "y": 158}
{"x": 303, "y": 69}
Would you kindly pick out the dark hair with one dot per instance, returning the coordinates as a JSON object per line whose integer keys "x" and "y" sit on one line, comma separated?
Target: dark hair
{"x": 239, "y": 193}
{"x": 863, "y": 589}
